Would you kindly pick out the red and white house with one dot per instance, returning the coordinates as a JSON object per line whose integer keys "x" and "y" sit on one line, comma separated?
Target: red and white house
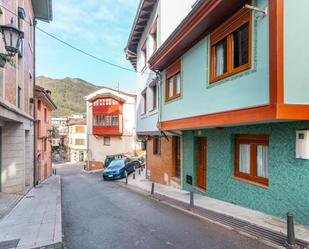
{"x": 111, "y": 125}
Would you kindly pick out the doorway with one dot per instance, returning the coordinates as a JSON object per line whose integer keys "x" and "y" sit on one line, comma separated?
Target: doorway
{"x": 177, "y": 156}
{"x": 201, "y": 162}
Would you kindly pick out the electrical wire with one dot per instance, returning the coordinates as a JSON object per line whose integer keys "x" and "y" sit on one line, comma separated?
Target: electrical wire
{"x": 76, "y": 48}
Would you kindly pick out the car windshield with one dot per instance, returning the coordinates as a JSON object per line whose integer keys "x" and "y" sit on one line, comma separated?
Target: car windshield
{"x": 116, "y": 163}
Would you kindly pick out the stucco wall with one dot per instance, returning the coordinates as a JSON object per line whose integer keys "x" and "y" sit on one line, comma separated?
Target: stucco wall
{"x": 288, "y": 177}
{"x": 246, "y": 89}
{"x": 296, "y": 55}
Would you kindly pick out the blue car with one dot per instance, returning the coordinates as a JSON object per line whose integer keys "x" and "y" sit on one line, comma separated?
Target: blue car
{"x": 119, "y": 169}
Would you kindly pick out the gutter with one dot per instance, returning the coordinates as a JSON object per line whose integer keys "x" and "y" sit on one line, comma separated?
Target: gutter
{"x": 34, "y": 104}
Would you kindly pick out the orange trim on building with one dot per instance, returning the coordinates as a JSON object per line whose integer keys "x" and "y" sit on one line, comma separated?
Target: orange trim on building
{"x": 276, "y": 110}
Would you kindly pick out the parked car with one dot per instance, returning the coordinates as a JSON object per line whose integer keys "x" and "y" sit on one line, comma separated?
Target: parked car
{"x": 111, "y": 158}
{"x": 118, "y": 169}
{"x": 140, "y": 161}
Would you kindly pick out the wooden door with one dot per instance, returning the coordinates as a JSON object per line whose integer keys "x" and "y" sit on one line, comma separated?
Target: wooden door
{"x": 201, "y": 161}
{"x": 177, "y": 157}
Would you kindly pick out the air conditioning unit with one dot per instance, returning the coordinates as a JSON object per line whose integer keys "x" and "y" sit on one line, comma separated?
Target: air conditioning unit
{"x": 302, "y": 144}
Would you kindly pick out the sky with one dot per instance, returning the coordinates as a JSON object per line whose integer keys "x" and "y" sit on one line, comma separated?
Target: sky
{"x": 99, "y": 27}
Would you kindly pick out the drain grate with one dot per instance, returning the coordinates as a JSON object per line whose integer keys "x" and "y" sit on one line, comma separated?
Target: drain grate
{"x": 274, "y": 237}
{"x": 9, "y": 244}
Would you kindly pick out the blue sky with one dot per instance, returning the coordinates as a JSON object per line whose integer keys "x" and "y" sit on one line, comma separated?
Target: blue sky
{"x": 100, "y": 27}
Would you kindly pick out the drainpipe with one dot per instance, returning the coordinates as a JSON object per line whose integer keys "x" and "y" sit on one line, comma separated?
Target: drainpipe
{"x": 34, "y": 105}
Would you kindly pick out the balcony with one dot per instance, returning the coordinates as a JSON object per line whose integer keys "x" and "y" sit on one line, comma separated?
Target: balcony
{"x": 107, "y": 131}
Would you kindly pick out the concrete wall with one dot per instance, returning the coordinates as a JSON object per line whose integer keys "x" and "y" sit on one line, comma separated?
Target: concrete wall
{"x": 17, "y": 157}
{"x": 98, "y": 151}
{"x": 246, "y": 89}
{"x": 296, "y": 54}
{"x": 288, "y": 177}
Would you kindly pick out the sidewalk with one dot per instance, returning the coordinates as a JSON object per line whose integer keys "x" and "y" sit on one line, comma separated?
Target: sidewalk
{"x": 36, "y": 220}
{"x": 8, "y": 202}
{"x": 240, "y": 213}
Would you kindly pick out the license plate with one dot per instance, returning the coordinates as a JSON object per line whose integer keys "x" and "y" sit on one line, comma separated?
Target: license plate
{"x": 110, "y": 175}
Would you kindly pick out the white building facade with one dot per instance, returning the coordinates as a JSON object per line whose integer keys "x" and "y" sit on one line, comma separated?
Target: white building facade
{"x": 111, "y": 125}
{"x": 155, "y": 21}
{"x": 77, "y": 141}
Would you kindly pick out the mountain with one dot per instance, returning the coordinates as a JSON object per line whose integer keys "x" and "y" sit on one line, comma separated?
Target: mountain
{"x": 68, "y": 94}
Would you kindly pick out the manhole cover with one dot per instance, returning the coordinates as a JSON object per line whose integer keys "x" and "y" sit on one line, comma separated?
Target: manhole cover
{"x": 9, "y": 244}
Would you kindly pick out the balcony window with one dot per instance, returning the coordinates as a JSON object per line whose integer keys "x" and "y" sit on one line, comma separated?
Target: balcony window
{"x": 106, "y": 120}
{"x": 230, "y": 51}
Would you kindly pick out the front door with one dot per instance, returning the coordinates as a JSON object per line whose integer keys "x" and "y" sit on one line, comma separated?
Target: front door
{"x": 201, "y": 152}
{"x": 177, "y": 157}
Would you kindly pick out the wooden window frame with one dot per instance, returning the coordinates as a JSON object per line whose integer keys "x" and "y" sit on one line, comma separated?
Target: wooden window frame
{"x": 156, "y": 145}
{"x": 226, "y": 30}
{"x": 171, "y": 72}
{"x": 254, "y": 141}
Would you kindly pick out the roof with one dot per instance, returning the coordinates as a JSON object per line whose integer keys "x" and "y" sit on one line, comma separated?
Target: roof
{"x": 76, "y": 122}
{"x": 110, "y": 89}
{"x": 203, "y": 18}
{"x": 143, "y": 14}
{"x": 40, "y": 92}
{"x": 106, "y": 95}
{"x": 43, "y": 10}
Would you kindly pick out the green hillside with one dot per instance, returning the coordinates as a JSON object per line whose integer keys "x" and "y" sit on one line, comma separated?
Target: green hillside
{"x": 68, "y": 94}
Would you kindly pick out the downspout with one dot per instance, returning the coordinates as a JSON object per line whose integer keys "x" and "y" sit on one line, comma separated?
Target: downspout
{"x": 34, "y": 105}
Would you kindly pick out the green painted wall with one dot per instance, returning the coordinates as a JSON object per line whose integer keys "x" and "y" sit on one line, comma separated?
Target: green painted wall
{"x": 296, "y": 52}
{"x": 288, "y": 177}
{"x": 249, "y": 88}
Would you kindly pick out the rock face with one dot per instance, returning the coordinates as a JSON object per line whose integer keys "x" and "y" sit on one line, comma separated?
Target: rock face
{"x": 68, "y": 94}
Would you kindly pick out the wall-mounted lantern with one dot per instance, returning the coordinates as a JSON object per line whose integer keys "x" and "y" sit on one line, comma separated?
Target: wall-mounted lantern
{"x": 12, "y": 38}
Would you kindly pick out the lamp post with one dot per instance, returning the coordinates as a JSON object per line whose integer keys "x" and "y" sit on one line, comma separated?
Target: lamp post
{"x": 12, "y": 38}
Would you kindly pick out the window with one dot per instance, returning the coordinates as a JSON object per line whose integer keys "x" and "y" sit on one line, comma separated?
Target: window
{"x": 144, "y": 54}
{"x": 106, "y": 120}
{"x": 153, "y": 35}
{"x": 154, "y": 91}
{"x": 79, "y": 141}
{"x": 79, "y": 129}
{"x": 144, "y": 96}
{"x": 251, "y": 158}
{"x": 156, "y": 145}
{"x": 231, "y": 46}
{"x": 39, "y": 105}
{"x": 19, "y": 97}
{"x": 173, "y": 81}
{"x": 107, "y": 141}
{"x": 45, "y": 115}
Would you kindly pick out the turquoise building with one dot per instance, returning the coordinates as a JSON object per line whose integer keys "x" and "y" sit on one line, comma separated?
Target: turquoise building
{"x": 235, "y": 88}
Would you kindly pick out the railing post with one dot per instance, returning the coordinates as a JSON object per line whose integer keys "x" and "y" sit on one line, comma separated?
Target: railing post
{"x": 152, "y": 188}
{"x": 134, "y": 175}
{"x": 191, "y": 199}
{"x": 290, "y": 231}
{"x": 139, "y": 171}
{"x": 126, "y": 178}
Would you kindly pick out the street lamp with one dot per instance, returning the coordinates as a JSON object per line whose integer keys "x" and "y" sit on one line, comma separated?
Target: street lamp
{"x": 12, "y": 37}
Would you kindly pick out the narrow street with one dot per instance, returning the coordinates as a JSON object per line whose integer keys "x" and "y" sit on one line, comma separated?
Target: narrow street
{"x": 99, "y": 214}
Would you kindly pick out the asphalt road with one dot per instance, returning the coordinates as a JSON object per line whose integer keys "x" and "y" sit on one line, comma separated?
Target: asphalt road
{"x": 104, "y": 215}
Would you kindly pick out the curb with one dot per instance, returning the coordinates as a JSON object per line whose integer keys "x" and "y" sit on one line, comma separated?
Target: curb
{"x": 196, "y": 211}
